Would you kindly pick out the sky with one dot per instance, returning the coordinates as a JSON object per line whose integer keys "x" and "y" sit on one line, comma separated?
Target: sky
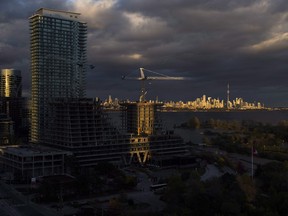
{"x": 213, "y": 42}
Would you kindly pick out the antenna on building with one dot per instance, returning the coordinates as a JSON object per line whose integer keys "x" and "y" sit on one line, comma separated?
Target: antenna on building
{"x": 228, "y": 96}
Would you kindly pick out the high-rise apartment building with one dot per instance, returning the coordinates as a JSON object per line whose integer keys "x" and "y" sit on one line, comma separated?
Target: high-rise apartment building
{"x": 11, "y": 96}
{"x": 58, "y": 59}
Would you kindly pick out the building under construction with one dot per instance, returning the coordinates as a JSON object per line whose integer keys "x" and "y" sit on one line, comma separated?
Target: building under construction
{"x": 148, "y": 141}
{"x": 81, "y": 127}
{"x": 142, "y": 118}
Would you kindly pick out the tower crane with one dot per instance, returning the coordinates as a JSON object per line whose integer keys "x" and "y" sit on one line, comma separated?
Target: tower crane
{"x": 143, "y": 78}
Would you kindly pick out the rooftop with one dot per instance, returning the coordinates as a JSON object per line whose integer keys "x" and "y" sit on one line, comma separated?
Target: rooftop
{"x": 29, "y": 150}
{"x": 45, "y": 10}
{"x": 67, "y": 15}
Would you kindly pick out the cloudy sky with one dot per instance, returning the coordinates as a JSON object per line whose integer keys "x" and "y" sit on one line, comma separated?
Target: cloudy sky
{"x": 211, "y": 41}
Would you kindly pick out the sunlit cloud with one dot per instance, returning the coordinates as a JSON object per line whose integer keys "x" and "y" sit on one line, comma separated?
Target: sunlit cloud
{"x": 135, "y": 56}
{"x": 279, "y": 41}
{"x": 97, "y": 13}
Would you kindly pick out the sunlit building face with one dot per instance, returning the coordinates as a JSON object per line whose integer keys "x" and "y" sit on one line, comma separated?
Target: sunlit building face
{"x": 10, "y": 83}
{"x": 10, "y": 96}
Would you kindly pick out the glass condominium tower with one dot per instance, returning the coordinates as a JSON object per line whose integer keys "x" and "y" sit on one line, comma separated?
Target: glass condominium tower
{"x": 58, "y": 63}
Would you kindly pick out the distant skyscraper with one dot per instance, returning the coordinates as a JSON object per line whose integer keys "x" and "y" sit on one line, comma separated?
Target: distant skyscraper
{"x": 58, "y": 58}
{"x": 11, "y": 85}
{"x": 10, "y": 96}
{"x": 228, "y": 96}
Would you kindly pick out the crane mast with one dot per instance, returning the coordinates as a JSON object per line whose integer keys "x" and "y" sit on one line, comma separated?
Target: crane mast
{"x": 141, "y": 119}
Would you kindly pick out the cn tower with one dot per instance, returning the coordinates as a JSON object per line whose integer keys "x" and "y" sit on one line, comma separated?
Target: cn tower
{"x": 228, "y": 94}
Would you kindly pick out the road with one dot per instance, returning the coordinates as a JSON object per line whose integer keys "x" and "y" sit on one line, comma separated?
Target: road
{"x": 143, "y": 193}
{"x": 211, "y": 171}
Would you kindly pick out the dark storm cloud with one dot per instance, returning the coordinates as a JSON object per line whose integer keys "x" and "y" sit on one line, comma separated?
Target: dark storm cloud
{"x": 278, "y": 6}
{"x": 14, "y": 34}
{"x": 213, "y": 41}
{"x": 22, "y": 9}
{"x": 162, "y": 5}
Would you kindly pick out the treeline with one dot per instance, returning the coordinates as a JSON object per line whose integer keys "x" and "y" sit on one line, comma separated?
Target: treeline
{"x": 266, "y": 195}
{"x": 196, "y": 123}
{"x": 271, "y": 141}
{"x": 105, "y": 178}
{"x": 245, "y": 125}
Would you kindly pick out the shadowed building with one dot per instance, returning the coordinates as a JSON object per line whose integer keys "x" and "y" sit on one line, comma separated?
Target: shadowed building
{"x": 81, "y": 127}
{"x": 61, "y": 117}
{"x": 6, "y": 129}
{"x": 58, "y": 58}
{"x": 27, "y": 162}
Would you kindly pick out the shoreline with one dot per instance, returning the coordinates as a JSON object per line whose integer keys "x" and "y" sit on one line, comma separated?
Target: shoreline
{"x": 211, "y": 110}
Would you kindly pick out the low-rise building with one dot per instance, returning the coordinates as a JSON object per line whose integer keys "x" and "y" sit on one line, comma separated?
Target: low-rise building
{"x": 27, "y": 162}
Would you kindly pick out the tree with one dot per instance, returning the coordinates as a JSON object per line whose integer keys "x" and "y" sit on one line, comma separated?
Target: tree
{"x": 194, "y": 123}
{"x": 174, "y": 194}
{"x": 248, "y": 187}
{"x": 273, "y": 188}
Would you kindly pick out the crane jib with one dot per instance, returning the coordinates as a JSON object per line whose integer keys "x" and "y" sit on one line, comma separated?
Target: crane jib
{"x": 143, "y": 78}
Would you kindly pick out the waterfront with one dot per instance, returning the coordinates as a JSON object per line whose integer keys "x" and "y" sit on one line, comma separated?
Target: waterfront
{"x": 268, "y": 117}
{"x": 172, "y": 119}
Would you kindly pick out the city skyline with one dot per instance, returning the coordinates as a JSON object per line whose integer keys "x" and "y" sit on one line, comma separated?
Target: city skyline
{"x": 242, "y": 43}
{"x": 201, "y": 103}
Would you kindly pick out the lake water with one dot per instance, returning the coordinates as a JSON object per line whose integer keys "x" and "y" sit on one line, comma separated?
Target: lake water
{"x": 271, "y": 117}
{"x": 170, "y": 119}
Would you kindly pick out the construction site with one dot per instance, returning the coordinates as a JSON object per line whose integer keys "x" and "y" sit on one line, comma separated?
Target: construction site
{"x": 149, "y": 143}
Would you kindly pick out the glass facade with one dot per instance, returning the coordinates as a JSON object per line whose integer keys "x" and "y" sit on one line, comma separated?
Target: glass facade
{"x": 10, "y": 83}
{"x": 58, "y": 62}
{"x": 11, "y": 96}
